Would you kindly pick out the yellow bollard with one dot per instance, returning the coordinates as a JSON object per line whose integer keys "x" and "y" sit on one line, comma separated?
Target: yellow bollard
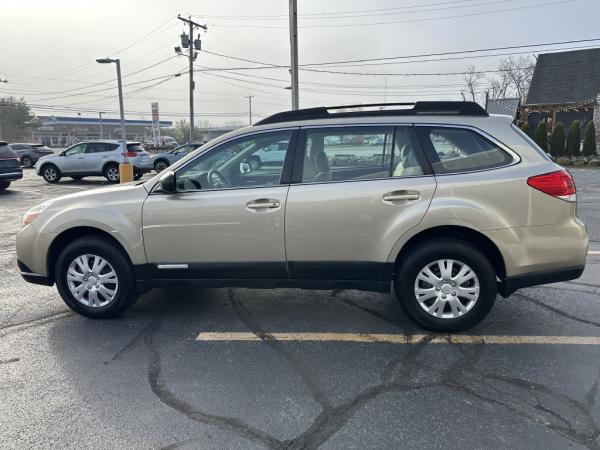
{"x": 125, "y": 173}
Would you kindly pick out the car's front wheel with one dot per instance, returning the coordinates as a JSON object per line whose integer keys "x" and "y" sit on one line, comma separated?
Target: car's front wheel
{"x": 94, "y": 278}
{"x": 4, "y": 185}
{"x": 446, "y": 285}
{"x": 27, "y": 162}
{"x": 51, "y": 174}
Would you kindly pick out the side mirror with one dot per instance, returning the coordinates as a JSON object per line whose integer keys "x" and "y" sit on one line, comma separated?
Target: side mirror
{"x": 167, "y": 182}
{"x": 245, "y": 168}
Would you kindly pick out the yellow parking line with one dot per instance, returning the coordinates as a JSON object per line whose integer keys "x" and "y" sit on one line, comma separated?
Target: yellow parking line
{"x": 402, "y": 338}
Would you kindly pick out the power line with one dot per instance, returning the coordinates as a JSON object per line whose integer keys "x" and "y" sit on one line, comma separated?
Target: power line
{"x": 307, "y": 15}
{"x": 425, "y": 19}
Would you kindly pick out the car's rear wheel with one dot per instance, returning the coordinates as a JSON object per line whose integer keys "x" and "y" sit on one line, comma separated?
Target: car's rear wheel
{"x": 51, "y": 174}
{"x": 94, "y": 278}
{"x": 160, "y": 165}
{"x": 138, "y": 175}
{"x": 111, "y": 173}
{"x": 27, "y": 162}
{"x": 255, "y": 162}
{"x": 446, "y": 285}
{"x": 4, "y": 185}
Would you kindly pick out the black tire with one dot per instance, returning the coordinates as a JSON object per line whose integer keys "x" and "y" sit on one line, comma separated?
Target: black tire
{"x": 255, "y": 162}
{"x": 27, "y": 162}
{"x": 51, "y": 174}
{"x": 160, "y": 165}
{"x": 97, "y": 245}
{"x": 4, "y": 185}
{"x": 429, "y": 252}
{"x": 138, "y": 175}
{"x": 77, "y": 178}
{"x": 109, "y": 172}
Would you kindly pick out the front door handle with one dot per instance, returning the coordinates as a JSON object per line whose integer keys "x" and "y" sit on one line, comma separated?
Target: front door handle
{"x": 401, "y": 196}
{"x": 263, "y": 204}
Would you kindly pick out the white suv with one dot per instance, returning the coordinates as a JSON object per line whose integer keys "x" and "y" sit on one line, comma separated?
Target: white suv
{"x": 90, "y": 158}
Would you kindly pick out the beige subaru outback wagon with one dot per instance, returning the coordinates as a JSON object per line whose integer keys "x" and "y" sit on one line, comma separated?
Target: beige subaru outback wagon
{"x": 440, "y": 200}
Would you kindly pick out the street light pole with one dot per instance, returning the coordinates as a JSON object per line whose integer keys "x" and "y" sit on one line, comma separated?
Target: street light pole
{"x": 120, "y": 87}
{"x": 125, "y": 169}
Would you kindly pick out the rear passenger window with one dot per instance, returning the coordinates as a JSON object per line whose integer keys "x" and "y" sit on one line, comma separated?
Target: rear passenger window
{"x": 462, "y": 150}
{"x": 100, "y": 147}
{"x": 358, "y": 153}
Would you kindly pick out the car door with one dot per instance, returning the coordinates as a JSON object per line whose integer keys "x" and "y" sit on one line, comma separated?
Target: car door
{"x": 72, "y": 159}
{"x": 95, "y": 153}
{"x": 220, "y": 223}
{"x": 355, "y": 191}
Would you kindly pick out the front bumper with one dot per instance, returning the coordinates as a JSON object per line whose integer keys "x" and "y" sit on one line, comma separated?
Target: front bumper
{"x": 32, "y": 277}
{"x": 511, "y": 284}
{"x": 11, "y": 176}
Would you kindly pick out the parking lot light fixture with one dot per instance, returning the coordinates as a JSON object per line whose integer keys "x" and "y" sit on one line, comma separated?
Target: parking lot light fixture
{"x": 125, "y": 169}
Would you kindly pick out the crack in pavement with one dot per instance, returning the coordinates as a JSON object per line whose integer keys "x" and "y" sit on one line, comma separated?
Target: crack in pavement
{"x": 560, "y": 312}
{"x": 16, "y": 327}
{"x": 168, "y": 398}
{"x": 9, "y": 361}
{"x": 136, "y": 338}
{"x": 316, "y": 390}
{"x": 536, "y": 402}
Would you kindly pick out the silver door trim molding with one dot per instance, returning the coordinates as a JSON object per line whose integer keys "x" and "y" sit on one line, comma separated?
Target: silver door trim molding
{"x": 171, "y": 266}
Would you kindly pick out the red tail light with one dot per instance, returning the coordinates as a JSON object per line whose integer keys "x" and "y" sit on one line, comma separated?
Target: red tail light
{"x": 557, "y": 184}
{"x": 129, "y": 154}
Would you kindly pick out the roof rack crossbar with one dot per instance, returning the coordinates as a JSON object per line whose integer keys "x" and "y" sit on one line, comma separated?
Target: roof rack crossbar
{"x": 418, "y": 108}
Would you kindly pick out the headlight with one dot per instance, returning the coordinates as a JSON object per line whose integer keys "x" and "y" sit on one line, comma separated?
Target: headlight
{"x": 34, "y": 212}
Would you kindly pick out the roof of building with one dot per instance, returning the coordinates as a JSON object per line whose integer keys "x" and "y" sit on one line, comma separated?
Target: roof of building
{"x": 565, "y": 77}
{"x": 503, "y": 106}
{"x": 65, "y": 120}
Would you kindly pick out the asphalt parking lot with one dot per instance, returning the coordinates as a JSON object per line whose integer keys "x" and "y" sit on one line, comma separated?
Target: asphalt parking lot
{"x": 238, "y": 368}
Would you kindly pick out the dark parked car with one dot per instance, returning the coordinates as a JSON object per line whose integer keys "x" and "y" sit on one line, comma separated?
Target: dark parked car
{"x": 10, "y": 169}
{"x": 161, "y": 161}
{"x": 29, "y": 153}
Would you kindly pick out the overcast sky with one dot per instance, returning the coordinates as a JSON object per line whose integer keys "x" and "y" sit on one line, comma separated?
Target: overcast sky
{"x": 48, "y": 50}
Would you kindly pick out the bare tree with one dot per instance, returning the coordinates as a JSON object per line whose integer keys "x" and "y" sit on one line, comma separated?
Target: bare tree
{"x": 472, "y": 82}
{"x": 520, "y": 72}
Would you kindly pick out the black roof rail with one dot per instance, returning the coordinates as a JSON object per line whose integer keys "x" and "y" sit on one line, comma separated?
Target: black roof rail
{"x": 419, "y": 108}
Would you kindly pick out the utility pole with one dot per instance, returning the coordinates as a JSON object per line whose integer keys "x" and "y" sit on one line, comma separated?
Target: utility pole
{"x": 100, "y": 114}
{"x": 294, "y": 53}
{"x": 193, "y": 45}
{"x": 250, "y": 97}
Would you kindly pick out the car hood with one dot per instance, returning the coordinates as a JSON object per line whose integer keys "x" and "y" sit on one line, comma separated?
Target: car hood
{"x": 51, "y": 157}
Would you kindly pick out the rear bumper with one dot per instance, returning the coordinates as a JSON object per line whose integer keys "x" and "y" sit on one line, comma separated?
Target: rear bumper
{"x": 512, "y": 284}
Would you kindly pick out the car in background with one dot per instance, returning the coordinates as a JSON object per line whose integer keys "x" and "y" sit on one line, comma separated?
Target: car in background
{"x": 161, "y": 161}
{"x": 272, "y": 154}
{"x": 10, "y": 168}
{"x": 29, "y": 153}
{"x": 94, "y": 158}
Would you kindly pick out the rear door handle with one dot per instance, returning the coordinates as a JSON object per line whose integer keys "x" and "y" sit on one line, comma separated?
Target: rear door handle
{"x": 263, "y": 204}
{"x": 401, "y": 196}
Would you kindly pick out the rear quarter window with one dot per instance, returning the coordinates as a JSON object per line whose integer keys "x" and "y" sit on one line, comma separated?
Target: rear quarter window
{"x": 135, "y": 148}
{"x": 453, "y": 150}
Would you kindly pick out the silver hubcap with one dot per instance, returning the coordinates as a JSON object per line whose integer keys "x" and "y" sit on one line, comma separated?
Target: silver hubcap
{"x": 160, "y": 166}
{"x": 27, "y": 162}
{"x": 447, "y": 288}
{"x": 50, "y": 174}
{"x": 92, "y": 281}
{"x": 112, "y": 173}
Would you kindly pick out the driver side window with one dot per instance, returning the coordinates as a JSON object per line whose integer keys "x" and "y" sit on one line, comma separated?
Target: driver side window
{"x": 77, "y": 150}
{"x": 236, "y": 164}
